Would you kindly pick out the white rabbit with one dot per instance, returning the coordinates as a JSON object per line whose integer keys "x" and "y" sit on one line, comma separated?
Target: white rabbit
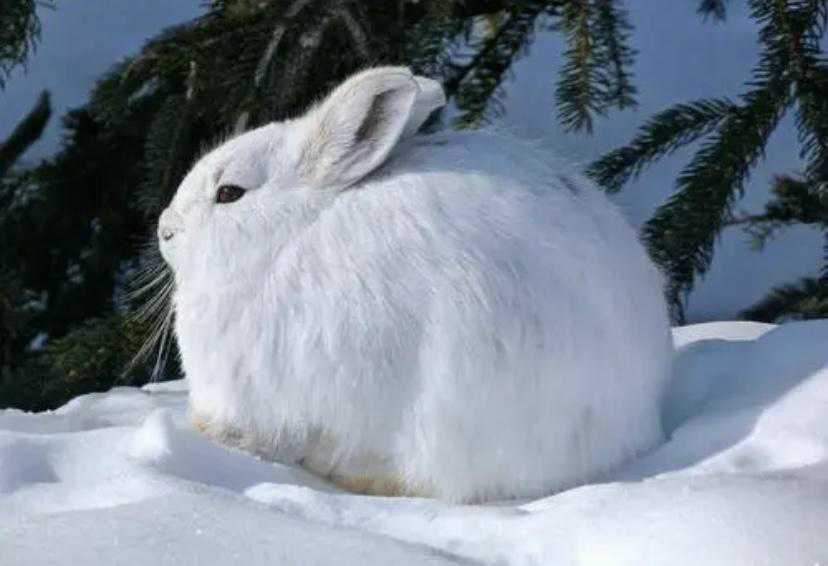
{"x": 456, "y": 315}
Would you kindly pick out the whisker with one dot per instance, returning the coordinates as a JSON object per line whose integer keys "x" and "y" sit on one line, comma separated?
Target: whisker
{"x": 151, "y": 291}
{"x": 142, "y": 286}
{"x": 163, "y": 350}
{"x": 154, "y": 305}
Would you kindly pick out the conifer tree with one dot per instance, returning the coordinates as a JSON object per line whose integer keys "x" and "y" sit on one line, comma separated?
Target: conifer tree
{"x": 25, "y": 134}
{"x": 19, "y": 32}
{"x": 15, "y": 313}
{"x": 796, "y": 200}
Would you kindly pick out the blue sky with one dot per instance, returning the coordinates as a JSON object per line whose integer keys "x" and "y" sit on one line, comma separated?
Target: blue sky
{"x": 680, "y": 58}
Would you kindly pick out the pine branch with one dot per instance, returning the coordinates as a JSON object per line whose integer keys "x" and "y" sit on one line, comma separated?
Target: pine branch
{"x": 576, "y": 94}
{"x": 432, "y": 47}
{"x": 166, "y": 152}
{"x": 811, "y": 90}
{"x": 597, "y": 74}
{"x": 794, "y": 201}
{"x": 19, "y": 33}
{"x": 358, "y": 35}
{"x": 791, "y": 37}
{"x": 474, "y": 85}
{"x": 295, "y": 85}
{"x": 663, "y": 134}
{"x": 27, "y": 132}
{"x": 614, "y": 56}
{"x": 716, "y": 9}
{"x": 265, "y": 63}
{"x": 806, "y": 299}
{"x": 682, "y": 233}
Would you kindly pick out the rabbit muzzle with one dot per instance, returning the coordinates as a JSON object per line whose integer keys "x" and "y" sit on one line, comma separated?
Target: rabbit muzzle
{"x": 170, "y": 227}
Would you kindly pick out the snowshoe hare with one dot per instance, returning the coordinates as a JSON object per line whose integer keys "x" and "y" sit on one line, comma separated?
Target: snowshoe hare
{"x": 455, "y": 315}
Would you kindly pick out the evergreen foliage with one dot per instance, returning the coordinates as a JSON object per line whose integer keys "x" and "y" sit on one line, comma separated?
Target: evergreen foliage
{"x": 796, "y": 201}
{"x": 19, "y": 32}
{"x": 806, "y": 299}
{"x": 19, "y": 305}
{"x": 716, "y": 9}
{"x": 596, "y": 75}
{"x": 95, "y": 356}
{"x": 475, "y": 85}
{"x": 25, "y": 134}
{"x": 791, "y": 75}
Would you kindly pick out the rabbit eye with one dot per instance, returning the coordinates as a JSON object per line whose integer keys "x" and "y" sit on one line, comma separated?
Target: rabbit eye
{"x": 229, "y": 193}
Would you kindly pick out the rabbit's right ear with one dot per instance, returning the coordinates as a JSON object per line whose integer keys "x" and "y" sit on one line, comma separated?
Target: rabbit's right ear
{"x": 354, "y": 130}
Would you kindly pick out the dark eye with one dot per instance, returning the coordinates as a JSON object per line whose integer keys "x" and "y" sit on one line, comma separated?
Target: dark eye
{"x": 229, "y": 193}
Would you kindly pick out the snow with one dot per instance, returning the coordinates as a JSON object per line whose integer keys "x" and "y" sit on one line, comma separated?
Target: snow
{"x": 120, "y": 477}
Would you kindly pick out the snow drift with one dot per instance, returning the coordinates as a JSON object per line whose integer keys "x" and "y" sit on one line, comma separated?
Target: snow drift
{"x": 743, "y": 479}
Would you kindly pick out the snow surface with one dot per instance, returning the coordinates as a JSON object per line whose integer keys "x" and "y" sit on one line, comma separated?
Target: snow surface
{"x": 120, "y": 477}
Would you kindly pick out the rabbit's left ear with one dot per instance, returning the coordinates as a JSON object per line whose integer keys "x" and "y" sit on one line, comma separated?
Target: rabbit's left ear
{"x": 353, "y": 131}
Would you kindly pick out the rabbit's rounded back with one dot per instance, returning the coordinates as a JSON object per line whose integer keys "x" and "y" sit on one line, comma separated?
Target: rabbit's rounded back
{"x": 455, "y": 315}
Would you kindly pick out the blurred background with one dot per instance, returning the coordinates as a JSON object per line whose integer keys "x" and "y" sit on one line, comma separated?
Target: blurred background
{"x": 707, "y": 121}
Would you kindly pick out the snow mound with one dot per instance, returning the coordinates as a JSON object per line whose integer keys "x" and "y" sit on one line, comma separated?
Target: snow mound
{"x": 743, "y": 479}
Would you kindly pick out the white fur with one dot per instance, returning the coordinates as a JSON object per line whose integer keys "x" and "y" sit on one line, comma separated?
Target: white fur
{"x": 471, "y": 320}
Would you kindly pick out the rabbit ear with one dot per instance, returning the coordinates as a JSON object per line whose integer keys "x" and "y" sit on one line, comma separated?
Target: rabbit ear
{"x": 357, "y": 126}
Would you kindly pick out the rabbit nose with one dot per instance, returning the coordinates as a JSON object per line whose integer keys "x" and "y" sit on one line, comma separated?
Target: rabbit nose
{"x": 169, "y": 225}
